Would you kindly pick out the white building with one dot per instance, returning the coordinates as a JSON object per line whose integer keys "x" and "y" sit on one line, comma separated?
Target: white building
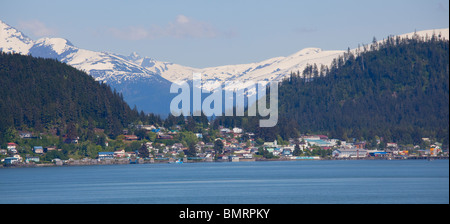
{"x": 119, "y": 153}
{"x": 237, "y": 130}
{"x": 12, "y": 147}
{"x": 392, "y": 145}
{"x": 225, "y": 130}
{"x": 273, "y": 144}
{"x": 349, "y": 153}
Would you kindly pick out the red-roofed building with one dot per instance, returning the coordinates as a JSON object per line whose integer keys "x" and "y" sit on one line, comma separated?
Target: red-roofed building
{"x": 12, "y": 147}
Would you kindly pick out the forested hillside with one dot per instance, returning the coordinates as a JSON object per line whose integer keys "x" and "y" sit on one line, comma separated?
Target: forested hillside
{"x": 397, "y": 91}
{"x": 44, "y": 95}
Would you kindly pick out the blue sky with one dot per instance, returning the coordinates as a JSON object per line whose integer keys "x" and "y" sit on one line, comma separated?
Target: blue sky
{"x": 201, "y": 33}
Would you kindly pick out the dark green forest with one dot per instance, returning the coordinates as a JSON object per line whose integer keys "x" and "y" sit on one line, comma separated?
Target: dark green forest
{"x": 47, "y": 96}
{"x": 397, "y": 90}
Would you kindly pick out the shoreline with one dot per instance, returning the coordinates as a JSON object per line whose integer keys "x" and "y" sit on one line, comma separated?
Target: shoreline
{"x": 96, "y": 162}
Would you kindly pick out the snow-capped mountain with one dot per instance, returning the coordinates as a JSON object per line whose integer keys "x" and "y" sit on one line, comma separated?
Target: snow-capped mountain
{"x": 274, "y": 69}
{"x": 140, "y": 87}
{"x": 13, "y": 41}
{"x": 145, "y": 82}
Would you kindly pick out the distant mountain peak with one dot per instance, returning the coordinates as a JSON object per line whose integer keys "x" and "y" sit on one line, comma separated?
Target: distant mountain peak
{"x": 55, "y": 41}
{"x": 140, "y": 86}
{"x": 59, "y": 45}
{"x": 308, "y": 51}
{"x": 134, "y": 56}
{"x": 13, "y": 41}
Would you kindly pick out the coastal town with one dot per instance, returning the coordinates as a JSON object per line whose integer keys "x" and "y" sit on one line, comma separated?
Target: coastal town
{"x": 151, "y": 144}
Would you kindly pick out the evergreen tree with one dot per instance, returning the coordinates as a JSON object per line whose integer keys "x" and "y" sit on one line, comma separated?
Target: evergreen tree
{"x": 218, "y": 146}
{"x": 143, "y": 151}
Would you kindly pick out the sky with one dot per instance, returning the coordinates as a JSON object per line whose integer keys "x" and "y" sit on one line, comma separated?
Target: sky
{"x": 209, "y": 33}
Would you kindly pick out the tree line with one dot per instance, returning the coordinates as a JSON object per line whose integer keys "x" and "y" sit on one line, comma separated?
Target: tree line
{"x": 47, "y": 96}
{"x": 395, "y": 90}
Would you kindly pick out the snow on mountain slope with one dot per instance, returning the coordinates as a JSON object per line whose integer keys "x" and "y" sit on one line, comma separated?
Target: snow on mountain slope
{"x": 146, "y": 82}
{"x": 59, "y": 45}
{"x": 424, "y": 34}
{"x": 273, "y": 69}
{"x": 103, "y": 66}
{"x": 13, "y": 41}
{"x": 141, "y": 87}
{"x": 442, "y": 33}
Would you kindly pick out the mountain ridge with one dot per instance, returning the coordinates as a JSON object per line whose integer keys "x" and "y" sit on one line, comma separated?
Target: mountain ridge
{"x": 126, "y": 74}
{"x": 397, "y": 92}
{"x": 103, "y": 66}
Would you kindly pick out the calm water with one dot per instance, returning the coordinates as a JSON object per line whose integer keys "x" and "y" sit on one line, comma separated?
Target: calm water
{"x": 297, "y": 182}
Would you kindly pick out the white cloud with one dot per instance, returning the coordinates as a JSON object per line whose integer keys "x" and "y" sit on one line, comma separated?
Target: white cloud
{"x": 181, "y": 27}
{"x": 182, "y": 19}
{"x": 186, "y": 27}
{"x": 37, "y": 28}
{"x": 130, "y": 33}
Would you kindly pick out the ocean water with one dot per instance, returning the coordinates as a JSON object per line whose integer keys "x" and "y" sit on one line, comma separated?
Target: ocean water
{"x": 292, "y": 182}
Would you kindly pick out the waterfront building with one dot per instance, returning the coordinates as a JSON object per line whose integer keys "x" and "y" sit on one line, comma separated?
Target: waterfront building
{"x": 12, "y": 147}
{"x": 11, "y": 160}
{"x": 349, "y": 153}
{"x": 105, "y": 155}
{"x": 273, "y": 144}
{"x": 319, "y": 142}
{"x": 32, "y": 159}
{"x": 119, "y": 153}
{"x": 38, "y": 149}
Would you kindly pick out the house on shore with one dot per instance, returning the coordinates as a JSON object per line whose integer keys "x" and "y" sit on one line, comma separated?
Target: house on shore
{"x": 12, "y": 147}
{"x": 319, "y": 142}
{"x": 105, "y": 155}
{"x": 29, "y": 159}
{"x": 119, "y": 153}
{"x": 11, "y": 160}
{"x": 38, "y": 149}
